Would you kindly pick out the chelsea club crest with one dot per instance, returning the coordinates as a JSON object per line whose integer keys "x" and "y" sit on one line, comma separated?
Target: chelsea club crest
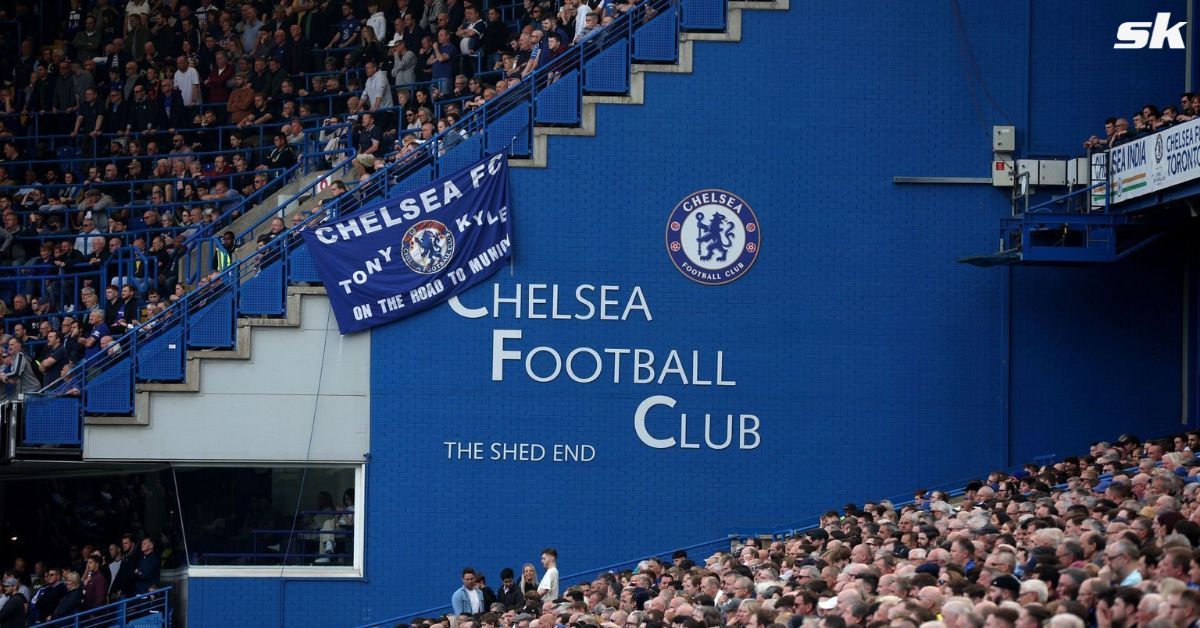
{"x": 428, "y": 247}
{"x": 713, "y": 237}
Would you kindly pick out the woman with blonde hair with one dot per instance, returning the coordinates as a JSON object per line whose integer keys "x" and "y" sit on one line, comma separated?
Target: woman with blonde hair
{"x": 529, "y": 578}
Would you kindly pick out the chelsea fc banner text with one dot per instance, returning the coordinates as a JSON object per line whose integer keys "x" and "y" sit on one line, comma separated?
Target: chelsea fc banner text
{"x": 403, "y": 255}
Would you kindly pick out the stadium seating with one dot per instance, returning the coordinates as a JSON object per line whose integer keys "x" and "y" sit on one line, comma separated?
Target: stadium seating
{"x": 1079, "y": 541}
{"x": 220, "y": 286}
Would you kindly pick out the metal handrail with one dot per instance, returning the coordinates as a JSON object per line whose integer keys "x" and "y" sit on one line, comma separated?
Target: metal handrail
{"x": 119, "y": 613}
{"x": 777, "y": 532}
{"x": 431, "y": 155}
{"x": 1043, "y": 206}
{"x": 225, "y": 281}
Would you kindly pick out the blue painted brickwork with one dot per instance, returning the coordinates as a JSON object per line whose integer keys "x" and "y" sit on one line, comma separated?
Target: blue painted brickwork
{"x": 873, "y": 360}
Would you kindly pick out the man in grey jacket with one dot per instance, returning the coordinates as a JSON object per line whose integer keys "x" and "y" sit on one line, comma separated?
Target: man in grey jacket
{"x": 20, "y": 373}
{"x": 404, "y": 62}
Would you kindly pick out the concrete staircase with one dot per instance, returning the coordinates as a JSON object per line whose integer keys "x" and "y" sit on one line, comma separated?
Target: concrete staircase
{"x": 637, "y": 80}
{"x": 192, "y": 370}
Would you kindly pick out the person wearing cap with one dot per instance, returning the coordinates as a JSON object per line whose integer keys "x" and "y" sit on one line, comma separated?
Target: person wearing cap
{"x": 1004, "y": 588}
{"x": 12, "y": 613}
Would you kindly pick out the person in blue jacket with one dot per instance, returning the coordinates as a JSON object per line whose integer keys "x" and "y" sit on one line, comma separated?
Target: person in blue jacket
{"x": 149, "y": 566}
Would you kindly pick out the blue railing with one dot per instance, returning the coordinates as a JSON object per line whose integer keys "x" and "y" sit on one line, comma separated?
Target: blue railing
{"x": 149, "y": 610}
{"x": 206, "y": 318}
{"x": 952, "y": 489}
{"x": 706, "y": 547}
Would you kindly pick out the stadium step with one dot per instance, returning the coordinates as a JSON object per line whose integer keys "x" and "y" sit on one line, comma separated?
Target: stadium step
{"x": 192, "y": 368}
{"x": 637, "y": 84}
{"x": 539, "y": 154}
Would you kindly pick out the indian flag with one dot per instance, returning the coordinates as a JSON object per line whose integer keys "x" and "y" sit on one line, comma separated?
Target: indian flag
{"x": 1124, "y": 186}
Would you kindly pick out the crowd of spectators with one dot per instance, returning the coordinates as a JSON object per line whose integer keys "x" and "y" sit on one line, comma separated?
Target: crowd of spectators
{"x": 1105, "y": 540}
{"x": 127, "y": 128}
{"x": 89, "y": 581}
{"x": 80, "y": 553}
{"x": 1150, "y": 119}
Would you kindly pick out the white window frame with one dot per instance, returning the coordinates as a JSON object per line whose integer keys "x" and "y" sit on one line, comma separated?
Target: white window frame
{"x": 354, "y": 571}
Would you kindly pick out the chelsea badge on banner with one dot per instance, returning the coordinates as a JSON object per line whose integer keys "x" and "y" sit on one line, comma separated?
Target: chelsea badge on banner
{"x": 713, "y": 237}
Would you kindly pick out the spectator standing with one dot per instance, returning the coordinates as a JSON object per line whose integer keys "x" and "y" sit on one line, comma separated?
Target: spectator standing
{"x": 404, "y": 62}
{"x": 149, "y": 566}
{"x": 241, "y": 100}
{"x": 21, "y": 372}
{"x": 377, "y": 21}
{"x": 441, "y": 61}
{"x": 377, "y": 95}
{"x": 430, "y": 13}
{"x": 124, "y": 580}
{"x": 249, "y": 27}
{"x": 529, "y": 578}
{"x": 12, "y": 613}
{"x": 495, "y": 37}
{"x": 346, "y": 31}
{"x": 187, "y": 81}
{"x": 298, "y": 50}
{"x": 95, "y": 584}
{"x": 46, "y": 599}
{"x": 470, "y": 35}
{"x": 89, "y": 118}
{"x": 99, "y": 329}
{"x": 548, "y": 587}
{"x": 72, "y": 600}
{"x": 87, "y": 42}
{"x": 510, "y": 594}
{"x": 468, "y": 599}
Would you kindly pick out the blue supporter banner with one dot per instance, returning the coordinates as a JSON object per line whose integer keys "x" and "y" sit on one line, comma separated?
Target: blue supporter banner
{"x": 405, "y": 254}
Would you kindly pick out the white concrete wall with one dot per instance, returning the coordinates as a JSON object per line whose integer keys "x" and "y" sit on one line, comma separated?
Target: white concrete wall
{"x": 260, "y": 409}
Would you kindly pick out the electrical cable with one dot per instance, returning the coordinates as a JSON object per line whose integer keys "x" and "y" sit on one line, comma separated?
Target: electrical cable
{"x": 312, "y": 428}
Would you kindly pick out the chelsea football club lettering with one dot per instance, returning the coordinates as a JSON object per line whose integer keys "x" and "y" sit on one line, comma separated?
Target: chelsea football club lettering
{"x": 515, "y": 354}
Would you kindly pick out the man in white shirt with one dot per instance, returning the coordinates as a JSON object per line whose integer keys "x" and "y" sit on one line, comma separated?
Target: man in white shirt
{"x": 187, "y": 81}
{"x": 377, "y": 21}
{"x": 548, "y": 587}
{"x": 377, "y": 94}
{"x": 581, "y": 12}
{"x": 138, "y": 7}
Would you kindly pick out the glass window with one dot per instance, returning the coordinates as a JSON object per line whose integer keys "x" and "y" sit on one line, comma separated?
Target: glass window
{"x": 269, "y": 516}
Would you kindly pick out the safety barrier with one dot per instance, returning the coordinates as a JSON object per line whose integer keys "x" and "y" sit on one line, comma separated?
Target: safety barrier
{"x": 206, "y": 318}
{"x": 703, "y": 549}
{"x": 149, "y": 610}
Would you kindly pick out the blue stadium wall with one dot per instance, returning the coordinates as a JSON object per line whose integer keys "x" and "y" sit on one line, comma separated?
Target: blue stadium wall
{"x": 874, "y": 362}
